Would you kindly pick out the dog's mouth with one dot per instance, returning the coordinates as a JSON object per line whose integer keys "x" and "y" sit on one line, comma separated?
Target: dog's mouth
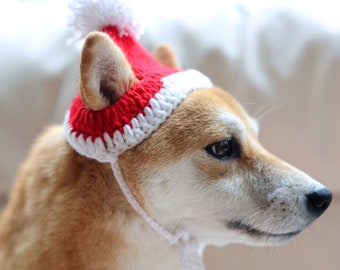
{"x": 253, "y": 232}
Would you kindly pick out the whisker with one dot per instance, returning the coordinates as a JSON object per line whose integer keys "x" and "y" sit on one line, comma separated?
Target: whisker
{"x": 255, "y": 219}
{"x": 265, "y": 110}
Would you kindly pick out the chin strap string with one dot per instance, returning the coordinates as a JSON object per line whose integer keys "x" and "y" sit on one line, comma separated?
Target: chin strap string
{"x": 190, "y": 257}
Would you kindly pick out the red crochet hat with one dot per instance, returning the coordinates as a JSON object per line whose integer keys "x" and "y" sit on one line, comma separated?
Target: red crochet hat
{"x": 106, "y": 133}
{"x": 111, "y": 131}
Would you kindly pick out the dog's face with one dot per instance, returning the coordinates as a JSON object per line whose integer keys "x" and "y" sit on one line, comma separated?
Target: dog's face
{"x": 205, "y": 172}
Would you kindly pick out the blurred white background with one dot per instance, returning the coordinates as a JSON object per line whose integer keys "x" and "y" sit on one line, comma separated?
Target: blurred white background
{"x": 281, "y": 59}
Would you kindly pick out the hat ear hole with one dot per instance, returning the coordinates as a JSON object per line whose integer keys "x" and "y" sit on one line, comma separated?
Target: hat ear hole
{"x": 105, "y": 74}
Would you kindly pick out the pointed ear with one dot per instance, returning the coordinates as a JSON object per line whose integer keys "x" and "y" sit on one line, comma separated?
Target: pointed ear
{"x": 105, "y": 74}
{"x": 165, "y": 55}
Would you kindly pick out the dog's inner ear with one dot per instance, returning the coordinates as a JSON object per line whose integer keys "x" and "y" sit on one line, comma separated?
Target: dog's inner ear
{"x": 105, "y": 74}
{"x": 165, "y": 55}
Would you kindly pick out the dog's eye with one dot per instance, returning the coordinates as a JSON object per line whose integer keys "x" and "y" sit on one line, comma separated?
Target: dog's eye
{"x": 225, "y": 149}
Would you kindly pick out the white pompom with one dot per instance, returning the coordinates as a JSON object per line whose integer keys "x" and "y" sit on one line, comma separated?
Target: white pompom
{"x": 94, "y": 15}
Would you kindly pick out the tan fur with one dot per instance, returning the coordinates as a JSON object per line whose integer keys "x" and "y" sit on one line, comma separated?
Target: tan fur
{"x": 66, "y": 211}
{"x": 62, "y": 202}
{"x": 166, "y": 56}
{"x": 181, "y": 128}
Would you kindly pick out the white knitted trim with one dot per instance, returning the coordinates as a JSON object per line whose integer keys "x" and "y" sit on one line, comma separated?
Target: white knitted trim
{"x": 94, "y": 15}
{"x": 175, "y": 88}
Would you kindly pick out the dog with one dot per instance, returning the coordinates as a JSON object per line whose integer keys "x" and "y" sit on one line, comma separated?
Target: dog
{"x": 202, "y": 171}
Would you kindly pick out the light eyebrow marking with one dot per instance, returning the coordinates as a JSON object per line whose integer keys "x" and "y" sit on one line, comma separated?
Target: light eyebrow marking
{"x": 234, "y": 124}
{"x": 255, "y": 125}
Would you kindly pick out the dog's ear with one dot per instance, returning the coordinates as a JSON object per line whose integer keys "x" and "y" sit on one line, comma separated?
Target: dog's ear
{"x": 105, "y": 74}
{"x": 165, "y": 55}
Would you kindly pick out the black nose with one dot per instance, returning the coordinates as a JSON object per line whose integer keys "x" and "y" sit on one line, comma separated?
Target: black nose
{"x": 318, "y": 201}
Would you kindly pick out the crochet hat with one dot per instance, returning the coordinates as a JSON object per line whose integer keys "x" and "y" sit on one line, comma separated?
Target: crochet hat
{"x": 146, "y": 105}
{"x": 105, "y": 132}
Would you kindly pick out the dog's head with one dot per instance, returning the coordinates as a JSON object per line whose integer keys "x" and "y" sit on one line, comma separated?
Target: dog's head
{"x": 204, "y": 170}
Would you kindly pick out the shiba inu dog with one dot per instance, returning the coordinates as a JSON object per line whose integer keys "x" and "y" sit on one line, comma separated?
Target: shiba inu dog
{"x": 200, "y": 170}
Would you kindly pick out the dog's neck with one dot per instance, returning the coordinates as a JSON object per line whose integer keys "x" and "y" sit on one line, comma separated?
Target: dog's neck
{"x": 144, "y": 249}
{"x": 136, "y": 245}
{"x": 189, "y": 249}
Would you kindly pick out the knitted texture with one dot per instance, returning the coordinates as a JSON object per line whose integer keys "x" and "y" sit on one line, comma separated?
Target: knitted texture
{"x": 105, "y": 134}
{"x": 147, "y": 70}
{"x": 101, "y": 134}
{"x": 139, "y": 112}
{"x": 190, "y": 257}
